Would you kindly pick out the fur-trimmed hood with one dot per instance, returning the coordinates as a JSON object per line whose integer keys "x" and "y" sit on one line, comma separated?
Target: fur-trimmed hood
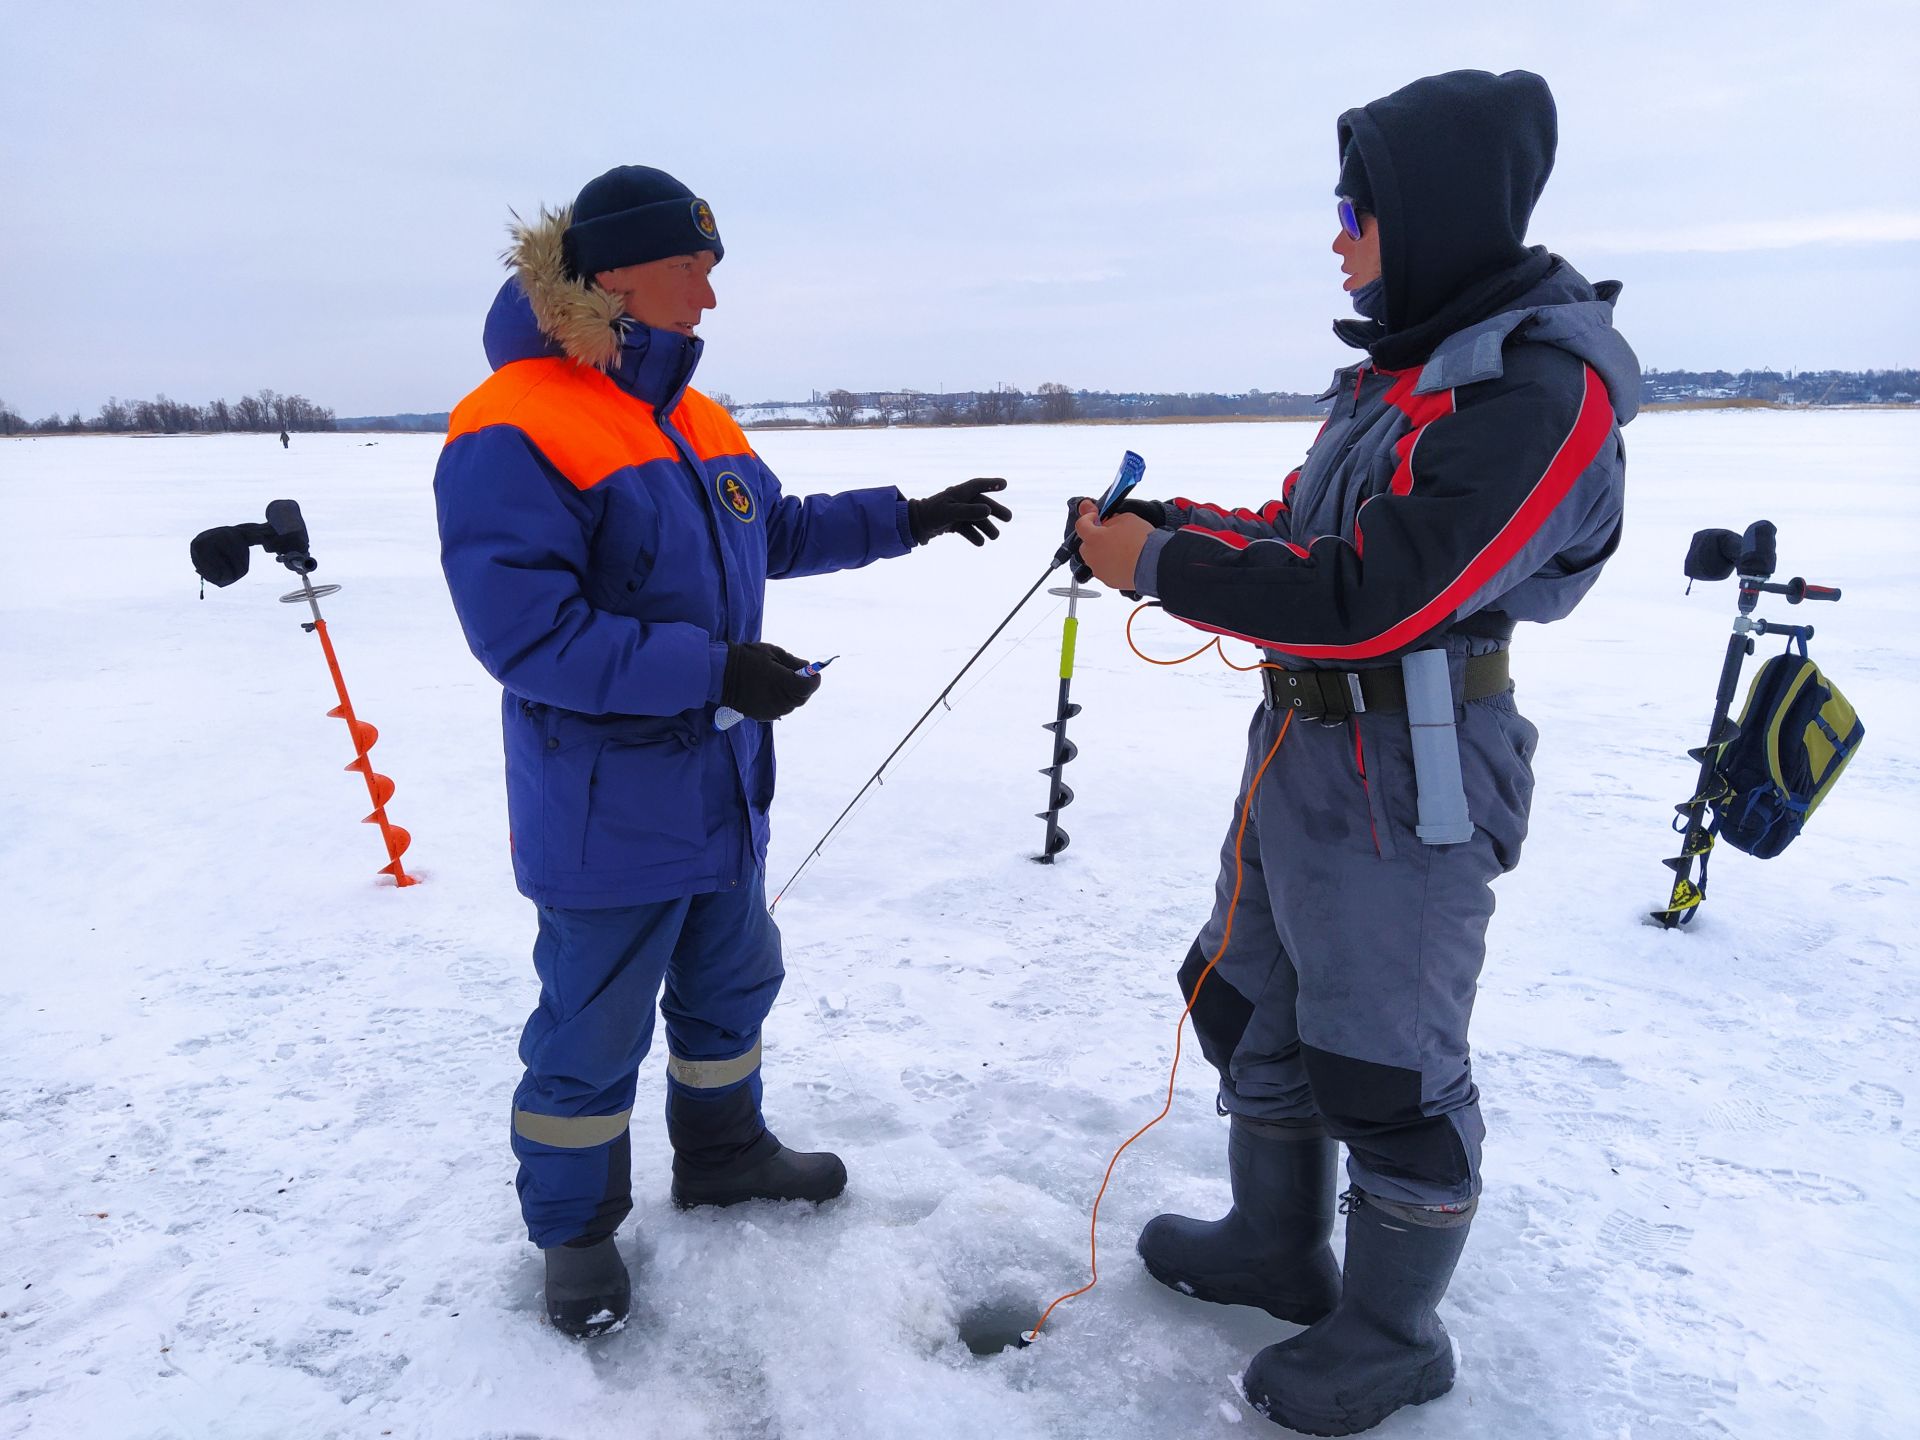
{"x": 543, "y": 311}
{"x": 579, "y": 319}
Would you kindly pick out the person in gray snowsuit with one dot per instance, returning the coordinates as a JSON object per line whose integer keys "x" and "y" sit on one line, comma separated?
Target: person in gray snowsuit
{"x": 1469, "y": 476}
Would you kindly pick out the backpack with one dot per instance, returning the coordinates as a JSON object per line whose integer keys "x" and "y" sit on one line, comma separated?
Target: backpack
{"x": 1797, "y": 732}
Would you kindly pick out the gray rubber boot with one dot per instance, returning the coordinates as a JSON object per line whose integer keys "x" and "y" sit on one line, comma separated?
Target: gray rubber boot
{"x": 1383, "y": 1346}
{"x": 588, "y": 1291}
{"x": 1271, "y": 1248}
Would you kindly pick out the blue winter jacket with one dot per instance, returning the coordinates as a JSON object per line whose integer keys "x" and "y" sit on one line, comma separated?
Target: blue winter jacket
{"x": 605, "y": 534}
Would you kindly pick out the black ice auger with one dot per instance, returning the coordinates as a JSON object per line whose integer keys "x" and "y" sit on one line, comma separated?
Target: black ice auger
{"x": 1714, "y": 555}
{"x": 1059, "y": 793}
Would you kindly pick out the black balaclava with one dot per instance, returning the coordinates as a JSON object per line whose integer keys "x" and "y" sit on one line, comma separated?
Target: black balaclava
{"x": 1451, "y": 167}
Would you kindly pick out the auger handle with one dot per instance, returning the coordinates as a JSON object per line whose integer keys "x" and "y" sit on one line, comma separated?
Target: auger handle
{"x": 1795, "y": 590}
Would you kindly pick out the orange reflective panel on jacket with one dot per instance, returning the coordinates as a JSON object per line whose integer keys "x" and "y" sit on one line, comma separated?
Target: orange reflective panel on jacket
{"x": 586, "y": 425}
{"x": 708, "y": 427}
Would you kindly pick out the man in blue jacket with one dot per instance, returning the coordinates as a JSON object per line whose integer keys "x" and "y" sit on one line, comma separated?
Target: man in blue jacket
{"x": 1470, "y": 475}
{"x": 607, "y": 534}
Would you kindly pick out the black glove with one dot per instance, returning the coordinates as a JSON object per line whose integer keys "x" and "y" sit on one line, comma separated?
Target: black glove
{"x": 1152, "y": 511}
{"x": 760, "y": 682}
{"x": 963, "y": 509}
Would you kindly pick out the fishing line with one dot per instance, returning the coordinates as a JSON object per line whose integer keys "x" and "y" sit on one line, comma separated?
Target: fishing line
{"x": 1058, "y": 561}
{"x": 1132, "y": 468}
{"x": 985, "y": 675}
{"x": 826, "y": 1019}
{"x": 814, "y": 999}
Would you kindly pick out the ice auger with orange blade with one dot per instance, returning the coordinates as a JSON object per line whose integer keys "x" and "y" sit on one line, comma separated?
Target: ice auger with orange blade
{"x": 220, "y": 555}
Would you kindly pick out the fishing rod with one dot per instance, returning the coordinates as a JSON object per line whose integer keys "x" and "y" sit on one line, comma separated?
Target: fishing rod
{"x": 820, "y": 844}
{"x": 1132, "y": 467}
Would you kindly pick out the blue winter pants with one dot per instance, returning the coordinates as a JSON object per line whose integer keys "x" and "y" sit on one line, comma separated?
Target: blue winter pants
{"x": 601, "y": 974}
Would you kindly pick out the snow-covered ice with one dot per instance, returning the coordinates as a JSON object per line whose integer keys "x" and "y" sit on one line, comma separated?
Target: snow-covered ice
{"x": 254, "y": 1104}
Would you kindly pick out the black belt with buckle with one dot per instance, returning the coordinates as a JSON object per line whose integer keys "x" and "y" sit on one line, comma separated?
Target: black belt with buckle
{"x": 1330, "y": 696}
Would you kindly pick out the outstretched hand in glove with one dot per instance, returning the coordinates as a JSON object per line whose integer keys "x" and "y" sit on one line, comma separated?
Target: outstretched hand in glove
{"x": 962, "y": 509}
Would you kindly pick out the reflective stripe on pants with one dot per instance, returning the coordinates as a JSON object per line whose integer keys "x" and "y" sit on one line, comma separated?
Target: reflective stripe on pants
{"x": 717, "y": 959}
{"x": 713, "y": 1074}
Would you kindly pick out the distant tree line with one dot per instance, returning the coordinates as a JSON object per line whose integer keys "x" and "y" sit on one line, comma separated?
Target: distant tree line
{"x": 262, "y": 411}
{"x": 411, "y": 422}
{"x": 1789, "y": 387}
{"x": 1051, "y": 403}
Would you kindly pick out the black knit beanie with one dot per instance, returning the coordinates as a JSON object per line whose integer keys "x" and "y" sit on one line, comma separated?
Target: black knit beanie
{"x": 634, "y": 214}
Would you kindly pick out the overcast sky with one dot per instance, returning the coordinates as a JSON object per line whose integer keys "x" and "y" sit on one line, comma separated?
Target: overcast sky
{"x": 204, "y": 199}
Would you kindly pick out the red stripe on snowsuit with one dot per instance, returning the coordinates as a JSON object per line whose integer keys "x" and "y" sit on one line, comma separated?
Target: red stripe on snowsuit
{"x": 1238, "y": 541}
{"x": 1267, "y": 514}
{"x": 1575, "y": 453}
{"x": 1421, "y": 410}
{"x": 1360, "y": 764}
{"x": 1187, "y": 504}
{"x": 1226, "y": 537}
{"x": 1417, "y": 408}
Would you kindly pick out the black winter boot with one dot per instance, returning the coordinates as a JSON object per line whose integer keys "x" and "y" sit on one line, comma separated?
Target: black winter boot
{"x": 724, "y": 1154}
{"x": 769, "y": 1172}
{"x": 1271, "y": 1248}
{"x": 1383, "y": 1346}
{"x": 588, "y": 1291}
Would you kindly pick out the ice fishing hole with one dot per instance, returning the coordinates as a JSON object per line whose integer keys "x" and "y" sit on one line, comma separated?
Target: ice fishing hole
{"x": 997, "y": 1325}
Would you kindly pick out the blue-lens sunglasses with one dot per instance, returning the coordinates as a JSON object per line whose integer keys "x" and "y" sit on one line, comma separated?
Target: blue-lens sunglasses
{"x": 1349, "y": 217}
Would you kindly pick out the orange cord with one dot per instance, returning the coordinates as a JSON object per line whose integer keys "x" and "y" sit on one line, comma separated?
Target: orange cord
{"x": 1213, "y": 644}
{"x": 1226, "y": 937}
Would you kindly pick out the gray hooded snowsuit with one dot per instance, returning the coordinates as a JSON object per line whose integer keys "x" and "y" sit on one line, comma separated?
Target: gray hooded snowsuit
{"x": 1469, "y": 475}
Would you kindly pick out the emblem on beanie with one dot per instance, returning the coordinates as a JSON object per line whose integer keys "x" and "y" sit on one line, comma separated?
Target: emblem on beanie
{"x": 733, "y": 490}
{"x": 703, "y": 220}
